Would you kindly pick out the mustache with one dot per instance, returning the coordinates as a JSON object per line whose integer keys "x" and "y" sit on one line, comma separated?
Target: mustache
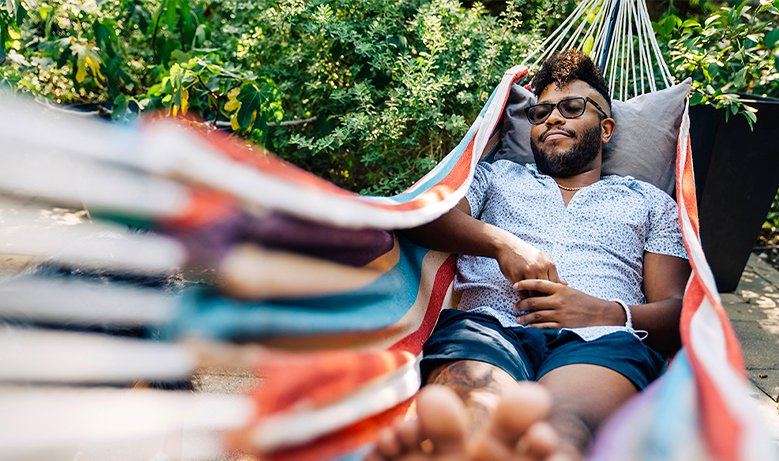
{"x": 570, "y": 133}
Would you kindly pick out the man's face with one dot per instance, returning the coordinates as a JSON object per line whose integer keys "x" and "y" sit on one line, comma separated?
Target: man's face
{"x": 565, "y": 147}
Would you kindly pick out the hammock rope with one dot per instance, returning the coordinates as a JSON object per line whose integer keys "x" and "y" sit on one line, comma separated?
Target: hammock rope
{"x": 618, "y": 35}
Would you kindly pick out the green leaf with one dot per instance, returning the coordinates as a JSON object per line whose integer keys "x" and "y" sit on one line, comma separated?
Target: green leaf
{"x": 588, "y": 45}
{"x": 44, "y": 10}
{"x": 14, "y": 8}
{"x": 171, "y": 15}
{"x": 751, "y": 117}
{"x": 251, "y": 99}
{"x": 740, "y": 76}
{"x": 81, "y": 61}
{"x": 179, "y": 56}
{"x": 771, "y": 38}
{"x": 178, "y": 87}
{"x": 120, "y": 108}
{"x": 742, "y": 7}
{"x": 690, "y": 23}
{"x": 200, "y": 36}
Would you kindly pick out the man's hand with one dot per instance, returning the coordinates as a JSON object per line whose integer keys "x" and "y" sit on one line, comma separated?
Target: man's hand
{"x": 565, "y": 307}
{"x": 521, "y": 261}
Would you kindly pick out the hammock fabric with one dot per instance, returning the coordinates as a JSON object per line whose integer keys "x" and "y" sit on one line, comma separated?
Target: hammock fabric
{"x": 701, "y": 399}
{"x": 336, "y": 282}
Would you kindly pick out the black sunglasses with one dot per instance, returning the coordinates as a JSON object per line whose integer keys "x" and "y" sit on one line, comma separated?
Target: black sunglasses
{"x": 569, "y": 108}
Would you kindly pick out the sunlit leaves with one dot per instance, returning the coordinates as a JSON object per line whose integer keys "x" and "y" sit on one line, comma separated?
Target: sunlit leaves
{"x": 733, "y": 52}
{"x": 86, "y": 57}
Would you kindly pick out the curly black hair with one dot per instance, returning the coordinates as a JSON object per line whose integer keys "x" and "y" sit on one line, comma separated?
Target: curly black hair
{"x": 567, "y": 66}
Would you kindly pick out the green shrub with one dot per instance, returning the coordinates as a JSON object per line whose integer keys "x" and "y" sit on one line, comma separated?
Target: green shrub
{"x": 393, "y": 85}
{"x": 377, "y": 92}
{"x": 733, "y": 50}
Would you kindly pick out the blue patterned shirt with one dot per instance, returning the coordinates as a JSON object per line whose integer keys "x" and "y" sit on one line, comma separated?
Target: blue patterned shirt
{"x": 597, "y": 242}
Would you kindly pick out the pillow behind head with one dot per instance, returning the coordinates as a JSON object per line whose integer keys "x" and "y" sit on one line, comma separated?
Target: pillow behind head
{"x": 644, "y": 140}
{"x": 515, "y": 145}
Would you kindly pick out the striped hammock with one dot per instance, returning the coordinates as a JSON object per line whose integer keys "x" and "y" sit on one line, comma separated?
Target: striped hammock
{"x": 363, "y": 322}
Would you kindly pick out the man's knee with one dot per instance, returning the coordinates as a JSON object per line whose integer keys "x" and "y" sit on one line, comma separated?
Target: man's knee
{"x": 470, "y": 374}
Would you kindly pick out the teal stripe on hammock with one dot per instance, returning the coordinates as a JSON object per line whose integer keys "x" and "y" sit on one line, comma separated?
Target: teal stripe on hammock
{"x": 447, "y": 164}
{"x": 674, "y": 418}
{"x": 659, "y": 423}
{"x": 377, "y": 305}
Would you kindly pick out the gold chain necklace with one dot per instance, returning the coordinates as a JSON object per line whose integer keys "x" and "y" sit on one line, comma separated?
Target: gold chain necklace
{"x": 572, "y": 189}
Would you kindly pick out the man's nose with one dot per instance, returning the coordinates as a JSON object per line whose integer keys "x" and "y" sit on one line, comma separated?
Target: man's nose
{"x": 555, "y": 117}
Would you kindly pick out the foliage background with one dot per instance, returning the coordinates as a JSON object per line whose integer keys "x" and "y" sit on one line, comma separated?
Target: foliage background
{"x": 369, "y": 95}
{"x": 378, "y": 91}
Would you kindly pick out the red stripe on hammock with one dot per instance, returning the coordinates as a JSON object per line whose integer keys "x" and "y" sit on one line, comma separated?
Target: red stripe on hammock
{"x": 309, "y": 380}
{"x": 266, "y": 162}
{"x": 345, "y": 440}
{"x": 721, "y": 428}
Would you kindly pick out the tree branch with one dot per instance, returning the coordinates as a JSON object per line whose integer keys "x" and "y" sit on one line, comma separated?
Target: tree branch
{"x": 273, "y": 124}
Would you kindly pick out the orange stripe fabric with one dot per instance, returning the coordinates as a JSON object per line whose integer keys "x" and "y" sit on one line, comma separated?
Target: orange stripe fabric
{"x": 308, "y": 380}
{"x": 344, "y": 440}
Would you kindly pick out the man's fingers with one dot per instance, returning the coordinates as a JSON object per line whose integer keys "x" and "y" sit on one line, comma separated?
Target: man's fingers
{"x": 535, "y": 317}
{"x": 553, "y": 277}
{"x": 534, "y": 303}
{"x": 543, "y": 286}
{"x": 539, "y": 319}
{"x": 545, "y": 326}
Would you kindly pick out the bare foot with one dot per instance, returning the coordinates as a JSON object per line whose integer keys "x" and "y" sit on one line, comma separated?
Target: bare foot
{"x": 438, "y": 433}
{"x": 517, "y": 431}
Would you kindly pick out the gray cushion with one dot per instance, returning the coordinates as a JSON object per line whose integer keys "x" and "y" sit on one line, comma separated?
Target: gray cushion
{"x": 644, "y": 141}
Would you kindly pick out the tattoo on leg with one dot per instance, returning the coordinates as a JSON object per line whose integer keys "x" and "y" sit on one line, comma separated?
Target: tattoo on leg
{"x": 478, "y": 384}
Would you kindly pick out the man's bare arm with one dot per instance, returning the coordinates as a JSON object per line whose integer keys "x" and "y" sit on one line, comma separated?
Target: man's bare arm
{"x": 458, "y": 232}
{"x": 665, "y": 278}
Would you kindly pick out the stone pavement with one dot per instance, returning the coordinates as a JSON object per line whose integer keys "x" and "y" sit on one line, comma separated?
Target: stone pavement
{"x": 29, "y": 233}
{"x": 753, "y": 310}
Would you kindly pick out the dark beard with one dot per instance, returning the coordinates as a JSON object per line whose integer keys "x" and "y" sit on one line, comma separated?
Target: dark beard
{"x": 585, "y": 148}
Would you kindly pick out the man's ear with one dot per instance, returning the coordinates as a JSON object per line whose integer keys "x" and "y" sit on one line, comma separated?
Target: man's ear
{"x": 607, "y": 126}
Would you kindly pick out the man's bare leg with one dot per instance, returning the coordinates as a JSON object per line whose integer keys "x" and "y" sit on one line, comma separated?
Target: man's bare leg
{"x": 479, "y": 385}
{"x": 583, "y": 397}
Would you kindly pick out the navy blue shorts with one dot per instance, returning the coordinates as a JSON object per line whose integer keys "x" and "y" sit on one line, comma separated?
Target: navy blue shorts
{"x": 527, "y": 354}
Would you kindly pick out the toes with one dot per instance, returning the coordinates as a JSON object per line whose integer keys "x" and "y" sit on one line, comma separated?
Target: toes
{"x": 387, "y": 444}
{"x": 442, "y": 419}
{"x": 517, "y": 430}
{"x": 440, "y": 423}
{"x": 392, "y": 443}
{"x": 409, "y": 435}
{"x": 539, "y": 442}
{"x": 518, "y": 410}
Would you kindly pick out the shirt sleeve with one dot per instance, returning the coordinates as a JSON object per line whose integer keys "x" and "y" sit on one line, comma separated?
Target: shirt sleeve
{"x": 665, "y": 235}
{"x": 477, "y": 193}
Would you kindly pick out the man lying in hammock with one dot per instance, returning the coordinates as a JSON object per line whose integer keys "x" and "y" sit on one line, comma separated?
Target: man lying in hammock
{"x": 563, "y": 272}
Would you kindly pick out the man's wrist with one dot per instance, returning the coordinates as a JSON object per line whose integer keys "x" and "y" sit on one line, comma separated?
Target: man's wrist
{"x": 626, "y": 314}
{"x": 503, "y": 243}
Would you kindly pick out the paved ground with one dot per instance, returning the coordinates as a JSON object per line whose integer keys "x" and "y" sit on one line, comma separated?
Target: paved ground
{"x": 30, "y": 232}
{"x": 753, "y": 310}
